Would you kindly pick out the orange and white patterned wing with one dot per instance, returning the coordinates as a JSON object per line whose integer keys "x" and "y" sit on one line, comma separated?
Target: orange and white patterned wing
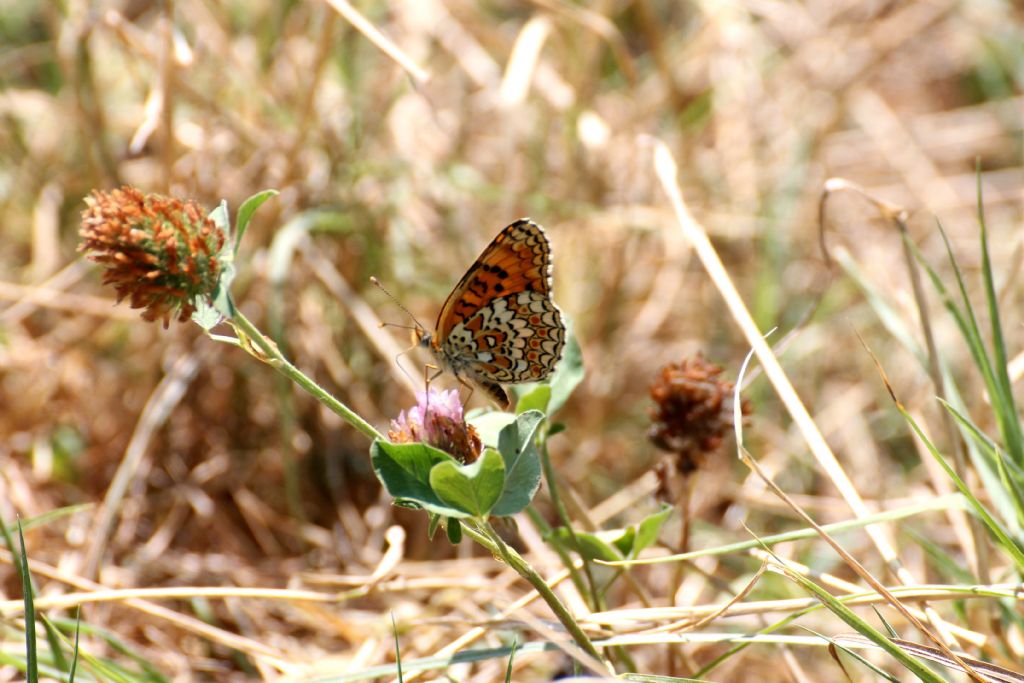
{"x": 499, "y": 324}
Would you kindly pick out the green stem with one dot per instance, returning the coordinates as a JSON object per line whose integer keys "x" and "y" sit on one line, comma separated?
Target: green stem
{"x": 486, "y": 536}
{"x": 547, "y": 534}
{"x": 489, "y": 538}
{"x": 596, "y": 603}
{"x": 276, "y": 359}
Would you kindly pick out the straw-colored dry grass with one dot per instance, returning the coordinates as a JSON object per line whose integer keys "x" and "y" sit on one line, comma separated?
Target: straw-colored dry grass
{"x": 217, "y": 474}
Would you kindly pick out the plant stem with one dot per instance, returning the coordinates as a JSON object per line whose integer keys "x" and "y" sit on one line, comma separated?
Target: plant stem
{"x": 489, "y": 538}
{"x": 485, "y": 536}
{"x": 596, "y": 603}
{"x": 276, "y": 359}
{"x": 547, "y": 534}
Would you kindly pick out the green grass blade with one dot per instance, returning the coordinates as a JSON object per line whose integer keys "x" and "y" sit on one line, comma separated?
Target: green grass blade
{"x": 865, "y": 629}
{"x": 946, "y": 502}
{"x": 511, "y": 658}
{"x": 19, "y": 663}
{"x": 53, "y": 638}
{"x": 767, "y": 630}
{"x": 107, "y": 667}
{"x": 861, "y": 659}
{"x": 988, "y": 467}
{"x": 993, "y": 372}
{"x": 398, "y": 649}
{"x": 963, "y": 318}
{"x": 31, "y": 664}
{"x": 1016, "y": 494}
{"x": 74, "y": 658}
{"x": 1002, "y": 537}
{"x": 888, "y": 627}
{"x": 893, "y": 320}
{"x": 953, "y": 566}
{"x": 994, "y": 375}
{"x": 966, "y": 321}
{"x": 51, "y": 516}
{"x": 1010, "y": 501}
{"x": 1005, "y": 406}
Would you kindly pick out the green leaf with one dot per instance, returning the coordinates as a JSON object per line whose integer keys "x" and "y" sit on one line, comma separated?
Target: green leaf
{"x": 471, "y": 489}
{"x": 648, "y": 528}
{"x": 222, "y": 220}
{"x": 209, "y": 313}
{"x": 617, "y": 544}
{"x": 522, "y": 463}
{"x": 222, "y": 300}
{"x": 206, "y": 315}
{"x": 404, "y": 469}
{"x": 602, "y": 546}
{"x": 489, "y": 425}
{"x": 435, "y": 522}
{"x": 454, "y": 530}
{"x": 246, "y": 211}
{"x": 569, "y": 373}
{"x": 1008, "y": 497}
{"x": 627, "y": 541}
{"x": 536, "y": 399}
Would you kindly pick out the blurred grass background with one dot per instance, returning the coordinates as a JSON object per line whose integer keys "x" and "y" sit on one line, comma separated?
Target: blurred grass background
{"x": 541, "y": 109}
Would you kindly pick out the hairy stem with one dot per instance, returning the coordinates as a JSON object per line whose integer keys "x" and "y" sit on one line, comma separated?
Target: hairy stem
{"x": 273, "y": 356}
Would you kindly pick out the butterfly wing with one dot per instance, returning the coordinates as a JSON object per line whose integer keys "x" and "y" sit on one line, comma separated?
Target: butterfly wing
{"x": 518, "y": 259}
{"x": 499, "y": 324}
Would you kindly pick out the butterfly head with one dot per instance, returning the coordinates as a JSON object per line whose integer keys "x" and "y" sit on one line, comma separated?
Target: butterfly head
{"x": 427, "y": 340}
{"x": 420, "y": 337}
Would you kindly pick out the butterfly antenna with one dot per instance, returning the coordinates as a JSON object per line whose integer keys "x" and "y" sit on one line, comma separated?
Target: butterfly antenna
{"x": 398, "y": 303}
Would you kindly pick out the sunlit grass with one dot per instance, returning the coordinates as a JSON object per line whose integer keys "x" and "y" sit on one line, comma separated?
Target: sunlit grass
{"x": 856, "y": 169}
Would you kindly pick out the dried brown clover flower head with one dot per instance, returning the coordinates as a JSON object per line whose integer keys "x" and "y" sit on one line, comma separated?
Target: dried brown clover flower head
{"x": 159, "y": 252}
{"x": 692, "y": 411}
{"x": 437, "y": 420}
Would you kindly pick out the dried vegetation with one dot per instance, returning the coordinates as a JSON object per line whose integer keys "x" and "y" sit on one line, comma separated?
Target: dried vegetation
{"x": 202, "y": 469}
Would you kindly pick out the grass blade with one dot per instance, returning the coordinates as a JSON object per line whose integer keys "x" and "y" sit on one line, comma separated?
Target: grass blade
{"x": 31, "y": 664}
{"x": 1002, "y": 537}
{"x": 74, "y": 658}
{"x": 511, "y": 658}
{"x": 862, "y": 627}
{"x": 1006, "y": 406}
{"x": 398, "y": 650}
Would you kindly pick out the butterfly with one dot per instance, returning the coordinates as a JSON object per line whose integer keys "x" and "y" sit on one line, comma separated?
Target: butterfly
{"x": 499, "y": 325}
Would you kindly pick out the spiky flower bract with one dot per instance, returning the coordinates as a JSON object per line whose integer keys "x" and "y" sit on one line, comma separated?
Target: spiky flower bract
{"x": 160, "y": 253}
{"x": 692, "y": 411}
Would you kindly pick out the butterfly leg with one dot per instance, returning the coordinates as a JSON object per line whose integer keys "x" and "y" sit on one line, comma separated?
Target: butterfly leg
{"x": 491, "y": 389}
{"x": 427, "y": 379}
{"x": 469, "y": 386}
